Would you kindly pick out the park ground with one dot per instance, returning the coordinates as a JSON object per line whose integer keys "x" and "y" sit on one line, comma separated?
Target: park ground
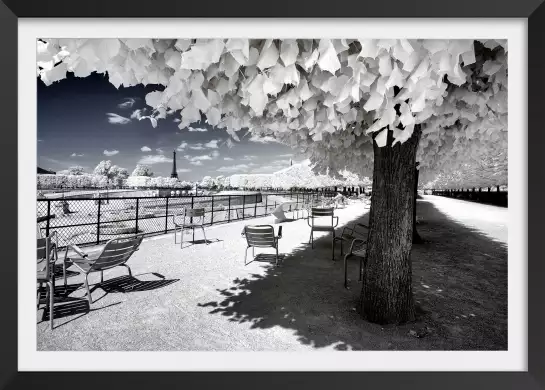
{"x": 203, "y": 297}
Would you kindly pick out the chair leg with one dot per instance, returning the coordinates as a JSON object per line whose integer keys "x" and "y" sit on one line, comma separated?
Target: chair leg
{"x": 253, "y": 251}
{"x": 128, "y": 268}
{"x": 246, "y": 255}
{"x": 64, "y": 272}
{"x": 312, "y": 238}
{"x": 182, "y": 238}
{"x": 345, "y": 271}
{"x": 361, "y": 270}
{"x": 175, "y": 231}
{"x": 204, "y": 234}
{"x": 101, "y": 276}
{"x": 333, "y": 247}
{"x": 89, "y": 298}
{"x": 276, "y": 255}
{"x": 39, "y": 295}
{"x": 51, "y": 302}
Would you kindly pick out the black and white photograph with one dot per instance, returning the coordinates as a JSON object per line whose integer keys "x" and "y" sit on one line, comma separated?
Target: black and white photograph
{"x": 233, "y": 194}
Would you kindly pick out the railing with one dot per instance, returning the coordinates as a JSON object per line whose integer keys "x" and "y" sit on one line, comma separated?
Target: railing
{"x": 91, "y": 221}
{"x": 495, "y": 197}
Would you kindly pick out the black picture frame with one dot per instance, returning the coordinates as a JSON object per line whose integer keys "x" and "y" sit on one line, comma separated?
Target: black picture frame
{"x": 532, "y": 10}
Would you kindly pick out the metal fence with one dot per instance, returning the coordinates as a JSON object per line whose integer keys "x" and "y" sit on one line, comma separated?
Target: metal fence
{"x": 91, "y": 221}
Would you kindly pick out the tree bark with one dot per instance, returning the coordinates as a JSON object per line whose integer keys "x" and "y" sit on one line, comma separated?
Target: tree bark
{"x": 416, "y": 237}
{"x": 387, "y": 295}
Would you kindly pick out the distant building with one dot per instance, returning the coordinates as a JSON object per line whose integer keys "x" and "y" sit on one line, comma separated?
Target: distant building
{"x": 45, "y": 171}
{"x": 174, "y": 173}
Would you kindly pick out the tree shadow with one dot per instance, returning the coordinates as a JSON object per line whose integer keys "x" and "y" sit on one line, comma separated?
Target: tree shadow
{"x": 459, "y": 284}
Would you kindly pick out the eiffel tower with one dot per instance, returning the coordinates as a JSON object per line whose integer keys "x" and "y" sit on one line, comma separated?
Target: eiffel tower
{"x": 174, "y": 173}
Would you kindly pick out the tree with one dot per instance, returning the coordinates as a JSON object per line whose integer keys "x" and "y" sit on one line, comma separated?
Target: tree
{"x": 113, "y": 173}
{"x": 76, "y": 170}
{"x": 142, "y": 170}
{"x": 368, "y": 106}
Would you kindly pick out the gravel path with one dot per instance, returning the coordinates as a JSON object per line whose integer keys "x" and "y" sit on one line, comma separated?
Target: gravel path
{"x": 203, "y": 297}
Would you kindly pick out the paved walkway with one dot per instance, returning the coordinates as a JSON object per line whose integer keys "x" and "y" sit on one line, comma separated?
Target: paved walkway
{"x": 202, "y": 297}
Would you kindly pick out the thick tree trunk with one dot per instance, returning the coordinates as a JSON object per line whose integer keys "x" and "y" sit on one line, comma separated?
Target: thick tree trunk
{"x": 387, "y": 295}
{"x": 416, "y": 237}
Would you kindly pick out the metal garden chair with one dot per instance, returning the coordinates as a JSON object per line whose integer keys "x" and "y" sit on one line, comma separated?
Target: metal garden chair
{"x": 261, "y": 236}
{"x": 351, "y": 233}
{"x": 320, "y": 213}
{"x": 357, "y": 248}
{"x": 46, "y": 258}
{"x": 192, "y": 214}
{"x": 115, "y": 253}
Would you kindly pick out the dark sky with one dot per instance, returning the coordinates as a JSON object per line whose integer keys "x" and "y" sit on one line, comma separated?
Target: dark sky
{"x": 74, "y": 128}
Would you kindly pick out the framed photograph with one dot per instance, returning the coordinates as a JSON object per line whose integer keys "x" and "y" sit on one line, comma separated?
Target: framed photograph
{"x": 248, "y": 191}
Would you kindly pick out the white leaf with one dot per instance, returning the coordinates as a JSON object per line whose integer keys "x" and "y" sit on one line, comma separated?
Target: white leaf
{"x": 289, "y": 49}
{"x": 468, "y": 57}
{"x": 382, "y": 138}
{"x": 213, "y": 116}
{"x": 374, "y": 102}
{"x": 269, "y": 55}
{"x": 153, "y": 99}
{"x": 183, "y": 44}
{"x": 328, "y": 57}
{"x": 199, "y": 100}
{"x": 369, "y": 48}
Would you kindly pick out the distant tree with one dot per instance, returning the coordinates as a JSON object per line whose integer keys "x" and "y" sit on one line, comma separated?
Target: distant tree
{"x": 113, "y": 173}
{"x": 77, "y": 170}
{"x": 142, "y": 170}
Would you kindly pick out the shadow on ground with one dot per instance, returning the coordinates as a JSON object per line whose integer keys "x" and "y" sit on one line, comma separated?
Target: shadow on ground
{"x": 69, "y": 306}
{"x": 459, "y": 283}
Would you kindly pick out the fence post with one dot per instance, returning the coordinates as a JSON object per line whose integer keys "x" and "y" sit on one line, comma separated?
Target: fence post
{"x": 229, "y": 212}
{"x": 243, "y": 205}
{"x": 48, "y": 218}
{"x": 98, "y": 220}
{"x": 255, "y": 207}
{"x": 212, "y": 214}
{"x": 166, "y": 216}
{"x": 266, "y": 199}
{"x": 137, "y": 207}
{"x": 191, "y": 218}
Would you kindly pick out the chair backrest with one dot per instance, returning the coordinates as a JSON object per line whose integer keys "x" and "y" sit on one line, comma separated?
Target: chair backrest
{"x": 43, "y": 254}
{"x": 318, "y": 212}
{"x": 259, "y": 235}
{"x": 117, "y": 251}
{"x": 194, "y": 212}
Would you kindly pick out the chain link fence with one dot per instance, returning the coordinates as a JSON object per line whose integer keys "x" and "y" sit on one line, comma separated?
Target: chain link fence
{"x": 91, "y": 221}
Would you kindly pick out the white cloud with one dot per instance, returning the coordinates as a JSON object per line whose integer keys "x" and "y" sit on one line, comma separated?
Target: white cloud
{"x": 202, "y": 129}
{"x": 154, "y": 159}
{"x": 228, "y": 159}
{"x": 176, "y": 120}
{"x": 263, "y": 140}
{"x": 128, "y": 103}
{"x": 201, "y": 158}
{"x": 196, "y": 147}
{"x": 234, "y": 168}
{"x": 212, "y": 144}
{"x": 117, "y": 119}
{"x": 248, "y": 158}
{"x": 182, "y": 146}
{"x": 196, "y": 162}
{"x": 215, "y": 153}
{"x": 145, "y": 149}
{"x": 286, "y": 155}
{"x": 183, "y": 170}
{"x": 111, "y": 152}
{"x": 137, "y": 114}
{"x": 159, "y": 150}
{"x": 76, "y": 155}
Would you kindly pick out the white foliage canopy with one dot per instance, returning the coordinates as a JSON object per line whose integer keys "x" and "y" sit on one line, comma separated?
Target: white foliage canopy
{"x": 329, "y": 98}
